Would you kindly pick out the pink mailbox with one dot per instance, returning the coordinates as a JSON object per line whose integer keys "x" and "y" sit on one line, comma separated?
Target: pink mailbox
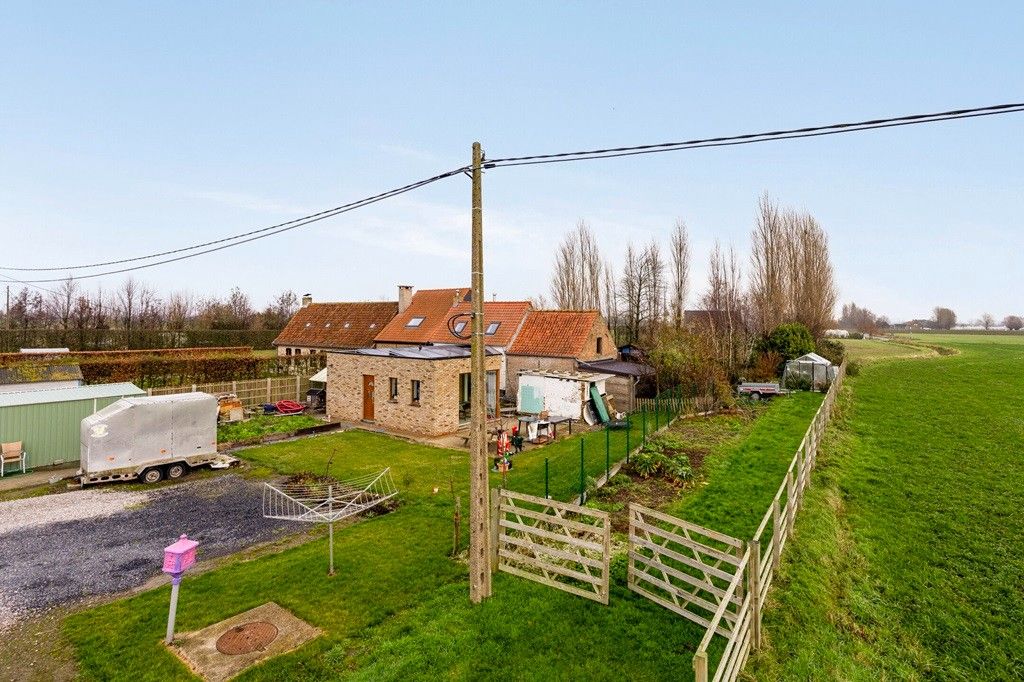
{"x": 179, "y": 556}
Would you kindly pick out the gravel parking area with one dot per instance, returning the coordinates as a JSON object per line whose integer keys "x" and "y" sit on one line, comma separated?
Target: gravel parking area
{"x": 59, "y": 549}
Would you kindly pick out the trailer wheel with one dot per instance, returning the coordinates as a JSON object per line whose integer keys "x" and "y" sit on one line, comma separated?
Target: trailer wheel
{"x": 176, "y": 470}
{"x": 154, "y": 475}
{"x": 755, "y": 396}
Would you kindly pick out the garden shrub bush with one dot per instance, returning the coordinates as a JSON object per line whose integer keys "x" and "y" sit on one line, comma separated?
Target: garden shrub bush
{"x": 662, "y": 456}
{"x": 833, "y": 351}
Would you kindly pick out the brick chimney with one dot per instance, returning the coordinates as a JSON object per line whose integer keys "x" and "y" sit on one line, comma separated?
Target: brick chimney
{"x": 306, "y": 299}
{"x": 404, "y": 297}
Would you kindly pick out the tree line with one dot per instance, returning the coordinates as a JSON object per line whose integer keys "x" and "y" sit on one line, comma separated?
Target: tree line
{"x": 81, "y": 319}
{"x": 789, "y": 279}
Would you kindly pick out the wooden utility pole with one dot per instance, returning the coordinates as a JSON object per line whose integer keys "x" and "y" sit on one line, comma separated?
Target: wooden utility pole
{"x": 479, "y": 487}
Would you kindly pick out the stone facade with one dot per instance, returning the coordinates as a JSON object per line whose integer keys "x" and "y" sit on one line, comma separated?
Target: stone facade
{"x": 437, "y": 412}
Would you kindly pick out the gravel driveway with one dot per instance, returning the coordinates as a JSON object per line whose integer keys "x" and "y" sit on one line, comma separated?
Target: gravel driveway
{"x": 58, "y": 549}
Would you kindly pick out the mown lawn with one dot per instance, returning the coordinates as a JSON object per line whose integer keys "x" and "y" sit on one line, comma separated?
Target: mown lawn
{"x": 398, "y": 607}
{"x": 908, "y": 561}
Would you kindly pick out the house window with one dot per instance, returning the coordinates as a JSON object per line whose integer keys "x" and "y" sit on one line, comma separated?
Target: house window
{"x": 415, "y": 392}
{"x": 600, "y": 345}
{"x": 393, "y": 389}
{"x": 491, "y": 328}
{"x": 287, "y": 351}
{"x": 459, "y": 326}
{"x": 415, "y": 322}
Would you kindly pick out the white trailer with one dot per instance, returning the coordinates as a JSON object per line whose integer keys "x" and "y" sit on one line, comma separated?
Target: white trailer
{"x": 149, "y": 438}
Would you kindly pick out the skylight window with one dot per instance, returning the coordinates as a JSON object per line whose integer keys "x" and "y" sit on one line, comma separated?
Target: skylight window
{"x": 415, "y": 322}
{"x": 308, "y": 323}
{"x": 492, "y": 328}
{"x": 327, "y": 326}
{"x": 347, "y": 325}
{"x": 459, "y": 326}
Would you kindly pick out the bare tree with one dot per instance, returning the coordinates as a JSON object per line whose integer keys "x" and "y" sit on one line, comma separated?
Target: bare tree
{"x": 814, "y": 295}
{"x": 679, "y": 251}
{"x": 944, "y": 318}
{"x": 1013, "y": 322}
{"x": 987, "y": 320}
{"x": 576, "y": 280}
{"x": 654, "y": 291}
{"x": 127, "y": 299}
{"x": 61, "y": 303}
{"x": 610, "y": 308}
{"x": 631, "y": 294}
{"x": 769, "y": 290}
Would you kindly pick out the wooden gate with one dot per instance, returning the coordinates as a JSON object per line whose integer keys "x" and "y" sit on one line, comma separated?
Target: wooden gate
{"x": 562, "y": 545}
{"x": 684, "y": 567}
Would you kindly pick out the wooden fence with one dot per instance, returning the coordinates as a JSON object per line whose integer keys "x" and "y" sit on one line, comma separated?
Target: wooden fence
{"x": 252, "y": 392}
{"x": 684, "y": 567}
{"x": 561, "y": 545}
{"x": 742, "y": 627}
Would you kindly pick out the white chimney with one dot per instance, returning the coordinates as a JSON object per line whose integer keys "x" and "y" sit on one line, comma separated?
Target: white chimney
{"x": 306, "y": 299}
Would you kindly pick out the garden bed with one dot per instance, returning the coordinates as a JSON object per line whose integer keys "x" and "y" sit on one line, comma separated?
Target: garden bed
{"x": 269, "y": 428}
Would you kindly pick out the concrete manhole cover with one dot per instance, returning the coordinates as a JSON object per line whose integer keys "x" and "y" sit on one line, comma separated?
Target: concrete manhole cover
{"x": 246, "y": 638}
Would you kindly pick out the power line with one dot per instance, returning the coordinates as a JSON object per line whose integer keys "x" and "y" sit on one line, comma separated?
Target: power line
{"x": 751, "y": 138}
{"x": 256, "y": 234}
{"x": 29, "y": 284}
{"x": 265, "y": 231}
{"x": 561, "y": 157}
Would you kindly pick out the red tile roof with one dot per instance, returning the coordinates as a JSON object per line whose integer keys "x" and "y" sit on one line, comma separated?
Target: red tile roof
{"x": 555, "y": 333}
{"x": 436, "y": 306}
{"x": 336, "y": 325}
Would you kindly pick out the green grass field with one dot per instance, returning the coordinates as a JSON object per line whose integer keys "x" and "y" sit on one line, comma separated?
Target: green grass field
{"x": 398, "y": 607}
{"x": 262, "y": 425}
{"x": 908, "y": 560}
{"x": 866, "y": 350}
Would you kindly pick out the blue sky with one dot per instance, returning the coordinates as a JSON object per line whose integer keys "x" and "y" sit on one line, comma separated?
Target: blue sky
{"x": 127, "y": 128}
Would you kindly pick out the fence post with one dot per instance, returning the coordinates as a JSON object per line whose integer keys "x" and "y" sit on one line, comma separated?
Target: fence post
{"x": 607, "y": 454}
{"x": 193, "y": 388}
{"x": 298, "y": 389}
{"x": 776, "y": 535}
{"x": 754, "y": 579}
{"x": 234, "y": 387}
{"x": 790, "y": 502}
{"x": 700, "y": 666}
{"x": 149, "y": 392}
{"x": 547, "y": 495}
{"x": 268, "y": 389}
{"x": 495, "y": 527}
{"x": 643, "y": 416}
{"x": 629, "y": 426}
{"x": 740, "y": 588}
{"x": 657, "y": 413}
{"x": 583, "y": 475}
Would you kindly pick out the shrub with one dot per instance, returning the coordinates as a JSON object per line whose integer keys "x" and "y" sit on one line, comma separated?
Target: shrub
{"x": 766, "y": 366}
{"x": 662, "y": 456}
{"x": 833, "y": 351}
{"x": 855, "y": 335}
{"x": 788, "y": 340}
{"x": 853, "y": 368}
{"x": 798, "y": 383}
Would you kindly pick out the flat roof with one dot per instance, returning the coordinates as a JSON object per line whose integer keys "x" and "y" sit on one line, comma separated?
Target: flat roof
{"x": 64, "y": 395}
{"x": 569, "y": 376}
{"x": 443, "y": 352}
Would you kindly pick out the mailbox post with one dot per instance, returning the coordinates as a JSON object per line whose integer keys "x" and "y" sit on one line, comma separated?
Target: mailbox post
{"x": 177, "y": 559}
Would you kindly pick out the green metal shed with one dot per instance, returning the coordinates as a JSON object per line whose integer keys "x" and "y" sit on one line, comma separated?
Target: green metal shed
{"x": 47, "y": 421}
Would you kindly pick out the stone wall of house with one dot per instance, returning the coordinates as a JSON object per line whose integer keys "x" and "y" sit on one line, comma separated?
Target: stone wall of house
{"x": 608, "y": 350}
{"x": 437, "y": 412}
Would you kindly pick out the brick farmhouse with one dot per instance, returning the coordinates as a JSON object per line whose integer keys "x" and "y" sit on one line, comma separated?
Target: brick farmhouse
{"x": 418, "y": 390}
